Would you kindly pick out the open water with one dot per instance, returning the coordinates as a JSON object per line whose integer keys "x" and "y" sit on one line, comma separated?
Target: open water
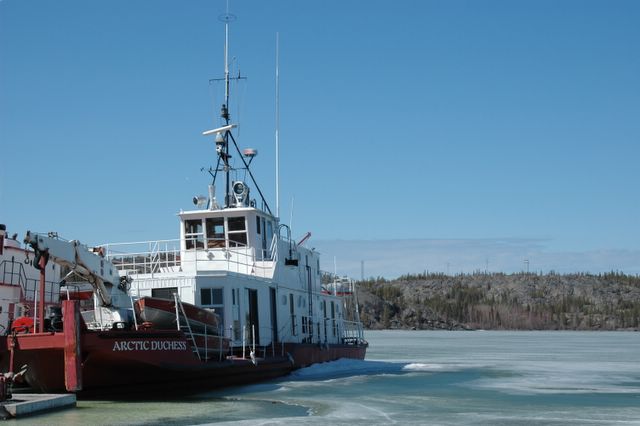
{"x": 422, "y": 378}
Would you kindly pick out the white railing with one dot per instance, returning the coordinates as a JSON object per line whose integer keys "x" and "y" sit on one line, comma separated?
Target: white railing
{"x": 164, "y": 256}
{"x": 352, "y": 332}
{"x": 13, "y": 273}
{"x": 144, "y": 257}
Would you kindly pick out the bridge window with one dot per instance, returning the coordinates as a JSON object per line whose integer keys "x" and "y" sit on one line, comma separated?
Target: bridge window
{"x": 215, "y": 232}
{"x": 194, "y": 237}
{"x": 237, "y": 231}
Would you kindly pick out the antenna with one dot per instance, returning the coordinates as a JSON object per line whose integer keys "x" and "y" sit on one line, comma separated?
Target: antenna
{"x": 277, "y": 125}
{"x": 291, "y": 213}
{"x": 226, "y": 18}
{"x": 224, "y": 136}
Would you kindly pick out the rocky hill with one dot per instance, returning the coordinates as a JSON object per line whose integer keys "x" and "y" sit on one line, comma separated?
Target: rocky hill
{"x": 498, "y": 301}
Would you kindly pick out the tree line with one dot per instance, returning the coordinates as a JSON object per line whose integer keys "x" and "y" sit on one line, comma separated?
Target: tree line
{"x": 523, "y": 301}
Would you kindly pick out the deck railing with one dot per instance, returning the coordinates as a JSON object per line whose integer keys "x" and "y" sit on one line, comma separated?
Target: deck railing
{"x": 13, "y": 273}
{"x": 352, "y": 332}
{"x": 163, "y": 256}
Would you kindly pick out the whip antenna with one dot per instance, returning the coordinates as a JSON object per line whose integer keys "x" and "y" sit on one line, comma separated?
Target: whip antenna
{"x": 277, "y": 125}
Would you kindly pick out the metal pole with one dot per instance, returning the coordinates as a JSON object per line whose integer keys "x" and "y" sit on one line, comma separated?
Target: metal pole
{"x": 42, "y": 264}
{"x": 277, "y": 124}
{"x": 253, "y": 337}
{"x": 135, "y": 320}
{"x": 175, "y": 298}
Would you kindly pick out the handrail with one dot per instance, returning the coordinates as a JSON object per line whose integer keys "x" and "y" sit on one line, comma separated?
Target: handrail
{"x": 135, "y": 259}
{"x": 17, "y": 276}
{"x": 186, "y": 320}
{"x": 22, "y": 275}
{"x": 352, "y": 330}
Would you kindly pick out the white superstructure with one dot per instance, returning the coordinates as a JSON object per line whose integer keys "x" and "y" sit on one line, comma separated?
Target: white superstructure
{"x": 20, "y": 280}
{"x": 242, "y": 263}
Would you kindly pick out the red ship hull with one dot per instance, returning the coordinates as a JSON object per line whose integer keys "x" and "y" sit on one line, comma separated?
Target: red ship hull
{"x": 142, "y": 363}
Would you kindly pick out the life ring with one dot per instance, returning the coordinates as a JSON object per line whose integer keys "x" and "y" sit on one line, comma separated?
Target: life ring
{"x": 22, "y": 325}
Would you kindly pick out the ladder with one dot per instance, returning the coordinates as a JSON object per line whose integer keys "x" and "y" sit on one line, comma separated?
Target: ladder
{"x": 185, "y": 328}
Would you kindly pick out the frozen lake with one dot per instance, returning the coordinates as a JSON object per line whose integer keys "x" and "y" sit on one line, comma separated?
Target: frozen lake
{"x": 423, "y": 377}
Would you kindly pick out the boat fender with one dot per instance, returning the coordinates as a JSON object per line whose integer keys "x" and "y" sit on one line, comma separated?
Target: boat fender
{"x": 253, "y": 358}
{"x": 290, "y": 359}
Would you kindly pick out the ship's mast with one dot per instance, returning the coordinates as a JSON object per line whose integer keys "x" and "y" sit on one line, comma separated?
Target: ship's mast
{"x": 224, "y": 113}
{"x": 224, "y": 137}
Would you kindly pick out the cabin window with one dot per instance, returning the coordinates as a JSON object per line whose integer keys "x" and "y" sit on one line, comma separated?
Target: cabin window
{"x": 193, "y": 234}
{"x": 213, "y": 298}
{"x": 236, "y": 224}
{"x": 215, "y": 232}
{"x": 237, "y": 231}
{"x": 164, "y": 293}
{"x": 269, "y": 231}
{"x": 258, "y": 224}
{"x": 264, "y": 239}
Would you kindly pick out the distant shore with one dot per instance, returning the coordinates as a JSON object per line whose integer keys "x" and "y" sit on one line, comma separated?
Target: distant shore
{"x": 497, "y": 301}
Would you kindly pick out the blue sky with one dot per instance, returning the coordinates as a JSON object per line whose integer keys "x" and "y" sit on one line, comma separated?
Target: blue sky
{"x": 460, "y": 133}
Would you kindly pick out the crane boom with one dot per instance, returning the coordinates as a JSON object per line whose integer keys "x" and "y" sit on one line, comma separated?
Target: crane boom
{"x": 94, "y": 268}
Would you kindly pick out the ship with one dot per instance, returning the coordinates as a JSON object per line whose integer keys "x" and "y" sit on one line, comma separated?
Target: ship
{"x": 235, "y": 299}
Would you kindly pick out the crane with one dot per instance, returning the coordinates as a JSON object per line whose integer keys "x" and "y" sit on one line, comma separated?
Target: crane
{"x": 111, "y": 289}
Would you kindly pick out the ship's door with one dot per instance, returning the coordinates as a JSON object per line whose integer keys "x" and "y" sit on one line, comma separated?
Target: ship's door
{"x": 264, "y": 240}
{"x": 274, "y": 314}
{"x": 254, "y": 324}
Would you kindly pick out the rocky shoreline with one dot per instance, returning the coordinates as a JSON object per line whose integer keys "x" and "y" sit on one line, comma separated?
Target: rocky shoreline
{"x": 499, "y": 301}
